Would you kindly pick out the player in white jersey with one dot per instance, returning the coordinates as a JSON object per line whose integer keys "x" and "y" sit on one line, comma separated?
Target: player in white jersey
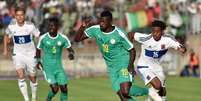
{"x": 22, "y": 33}
{"x": 153, "y": 47}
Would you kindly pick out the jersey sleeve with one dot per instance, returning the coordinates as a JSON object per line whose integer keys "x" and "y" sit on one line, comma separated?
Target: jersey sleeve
{"x": 172, "y": 43}
{"x": 140, "y": 37}
{"x": 35, "y": 31}
{"x": 125, "y": 41}
{"x": 67, "y": 43}
{"x": 91, "y": 31}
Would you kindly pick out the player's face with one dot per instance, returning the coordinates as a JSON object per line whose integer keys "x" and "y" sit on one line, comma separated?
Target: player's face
{"x": 20, "y": 17}
{"x": 156, "y": 33}
{"x": 53, "y": 28}
{"x": 105, "y": 23}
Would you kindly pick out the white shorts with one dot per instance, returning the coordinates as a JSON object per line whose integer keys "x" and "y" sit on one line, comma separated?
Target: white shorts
{"x": 28, "y": 63}
{"x": 147, "y": 73}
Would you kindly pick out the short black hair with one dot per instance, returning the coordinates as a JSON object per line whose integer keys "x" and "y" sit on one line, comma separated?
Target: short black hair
{"x": 159, "y": 23}
{"x": 54, "y": 20}
{"x": 106, "y": 13}
{"x": 20, "y": 9}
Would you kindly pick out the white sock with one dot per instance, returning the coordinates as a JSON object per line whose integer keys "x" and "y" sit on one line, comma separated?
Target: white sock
{"x": 33, "y": 89}
{"x": 153, "y": 93}
{"x": 23, "y": 88}
{"x": 164, "y": 98}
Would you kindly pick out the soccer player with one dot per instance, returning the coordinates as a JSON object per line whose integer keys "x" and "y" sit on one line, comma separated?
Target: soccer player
{"x": 153, "y": 47}
{"x": 22, "y": 33}
{"x": 117, "y": 51}
{"x": 52, "y": 44}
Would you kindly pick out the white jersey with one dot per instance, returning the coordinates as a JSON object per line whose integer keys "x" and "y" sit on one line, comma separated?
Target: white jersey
{"x": 152, "y": 51}
{"x": 23, "y": 37}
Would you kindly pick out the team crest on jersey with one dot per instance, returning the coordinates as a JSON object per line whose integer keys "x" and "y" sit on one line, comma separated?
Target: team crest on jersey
{"x": 163, "y": 46}
{"x": 112, "y": 41}
{"x": 59, "y": 43}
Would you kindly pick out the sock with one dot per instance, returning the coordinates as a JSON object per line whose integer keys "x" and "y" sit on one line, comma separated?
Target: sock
{"x": 33, "y": 89}
{"x": 153, "y": 93}
{"x": 164, "y": 98}
{"x": 138, "y": 91}
{"x": 63, "y": 96}
{"x": 50, "y": 95}
{"x": 23, "y": 88}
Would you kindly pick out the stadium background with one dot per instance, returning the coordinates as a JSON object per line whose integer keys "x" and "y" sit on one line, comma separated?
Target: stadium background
{"x": 183, "y": 18}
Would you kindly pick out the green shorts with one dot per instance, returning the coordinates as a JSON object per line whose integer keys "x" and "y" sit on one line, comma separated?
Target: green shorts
{"x": 119, "y": 76}
{"x": 56, "y": 77}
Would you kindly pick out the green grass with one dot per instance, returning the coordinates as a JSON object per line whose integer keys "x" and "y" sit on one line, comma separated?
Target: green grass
{"x": 99, "y": 89}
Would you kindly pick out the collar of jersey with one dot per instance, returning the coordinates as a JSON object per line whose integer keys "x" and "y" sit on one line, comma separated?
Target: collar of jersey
{"x": 111, "y": 31}
{"x": 53, "y": 37}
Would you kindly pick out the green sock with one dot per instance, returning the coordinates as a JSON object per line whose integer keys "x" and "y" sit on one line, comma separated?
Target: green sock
{"x": 132, "y": 99}
{"x": 138, "y": 91}
{"x": 50, "y": 95}
{"x": 63, "y": 96}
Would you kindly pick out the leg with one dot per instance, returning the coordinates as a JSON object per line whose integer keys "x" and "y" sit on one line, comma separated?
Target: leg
{"x": 33, "y": 84}
{"x": 22, "y": 83}
{"x": 162, "y": 93}
{"x": 138, "y": 91}
{"x": 53, "y": 91}
{"x": 30, "y": 62}
{"x": 125, "y": 89}
{"x": 64, "y": 92}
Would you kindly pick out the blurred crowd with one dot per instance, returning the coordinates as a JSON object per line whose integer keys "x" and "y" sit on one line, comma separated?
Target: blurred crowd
{"x": 182, "y": 16}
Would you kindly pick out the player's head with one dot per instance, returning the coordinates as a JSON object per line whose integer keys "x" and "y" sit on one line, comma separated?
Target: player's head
{"x": 105, "y": 19}
{"x": 157, "y": 29}
{"x": 53, "y": 25}
{"x": 20, "y": 15}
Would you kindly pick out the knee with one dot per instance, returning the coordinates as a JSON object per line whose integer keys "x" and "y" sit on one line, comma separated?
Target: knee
{"x": 157, "y": 84}
{"x": 64, "y": 88}
{"x": 55, "y": 89}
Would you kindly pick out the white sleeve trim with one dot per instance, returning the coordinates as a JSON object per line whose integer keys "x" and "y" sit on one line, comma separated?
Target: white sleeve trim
{"x": 65, "y": 37}
{"x": 125, "y": 37}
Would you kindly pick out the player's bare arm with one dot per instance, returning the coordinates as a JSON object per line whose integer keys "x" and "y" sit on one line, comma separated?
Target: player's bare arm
{"x": 70, "y": 53}
{"x": 80, "y": 33}
{"x": 132, "y": 54}
{"x": 38, "y": 58}
{"x": 6, "y": 41}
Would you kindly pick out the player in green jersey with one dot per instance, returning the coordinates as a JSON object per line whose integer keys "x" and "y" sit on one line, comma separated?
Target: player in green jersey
{"x": 118, "y": 53}
{"x": 52, "y": 44}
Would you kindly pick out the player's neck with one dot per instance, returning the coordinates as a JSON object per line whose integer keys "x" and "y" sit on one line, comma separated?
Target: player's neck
{"x": 109, "y": 29}
{"x": 20, "y": 24}
{"x": 53, "y": 35}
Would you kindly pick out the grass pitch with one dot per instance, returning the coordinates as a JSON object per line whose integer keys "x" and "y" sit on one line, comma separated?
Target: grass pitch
{"x": 99, "y": 89}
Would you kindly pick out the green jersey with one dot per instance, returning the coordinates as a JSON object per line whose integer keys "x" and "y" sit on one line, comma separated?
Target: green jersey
{"x": 52, "y": 50}
{"x": 114, "y": 45}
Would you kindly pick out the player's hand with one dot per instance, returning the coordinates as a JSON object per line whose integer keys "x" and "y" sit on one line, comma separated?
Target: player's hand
{"x": 71, "y": 56}
{"x": 39, "y": 66}
{"x": 87, "y": 22}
